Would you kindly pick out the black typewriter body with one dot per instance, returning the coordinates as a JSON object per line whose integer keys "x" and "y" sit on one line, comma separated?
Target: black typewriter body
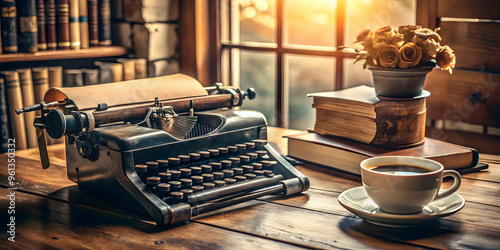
{"x": 109, "y": 171}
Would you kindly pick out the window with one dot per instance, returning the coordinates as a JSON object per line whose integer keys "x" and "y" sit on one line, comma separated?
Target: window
{"x": 287, "y": 48}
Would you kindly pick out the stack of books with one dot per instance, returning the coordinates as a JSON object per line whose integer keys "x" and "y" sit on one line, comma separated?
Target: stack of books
{"x": 54, "y": 24}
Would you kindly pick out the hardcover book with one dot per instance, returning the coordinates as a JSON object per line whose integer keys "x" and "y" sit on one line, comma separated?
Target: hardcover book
{"x": 4, "y": 119}
{"x": 28, "y": 26}
{"x": 63, "y": 34}
{"x": 50, "y": 7}
{"x": 40, "y": 14}
{"x": 346, "y": 155}
{"x": 74, "y": 24}
{"x": 15, "y": 99}
{"x": 93, "y": 12}
{"x": 28, "y": 99}
{"x": 9, "y": 26}
{"x": 104, "y": 23}
{"x": 84, "y": 25}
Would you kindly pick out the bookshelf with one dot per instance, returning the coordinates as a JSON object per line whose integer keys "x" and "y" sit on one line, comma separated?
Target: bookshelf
{"x": 103, "y": 51}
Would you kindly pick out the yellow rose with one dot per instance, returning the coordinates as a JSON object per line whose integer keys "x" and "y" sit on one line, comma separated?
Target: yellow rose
{"x": 409, "y": 55}
{"x": 388, "y": 56}
{"x": 445, "y": 58}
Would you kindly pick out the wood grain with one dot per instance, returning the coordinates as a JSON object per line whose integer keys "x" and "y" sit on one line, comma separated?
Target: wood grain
{"x": 484, "y": 9}
{"x": 104, "y": 51}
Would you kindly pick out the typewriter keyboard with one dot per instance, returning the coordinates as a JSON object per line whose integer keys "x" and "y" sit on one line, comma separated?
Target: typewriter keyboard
{"x": 204, "y": 176}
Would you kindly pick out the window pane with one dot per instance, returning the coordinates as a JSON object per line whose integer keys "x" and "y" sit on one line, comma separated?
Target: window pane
{"x": 258, "y": 70}
{"x": 355, "y": 75}
{"x": 253, "y": 21}
{"x": 371, "y": 14}
{"x": 306, "y": 74}
{"x": 309, "y": 22}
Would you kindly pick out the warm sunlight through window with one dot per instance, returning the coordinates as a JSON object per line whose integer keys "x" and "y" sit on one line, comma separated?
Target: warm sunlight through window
{"x": 286, "y": 49}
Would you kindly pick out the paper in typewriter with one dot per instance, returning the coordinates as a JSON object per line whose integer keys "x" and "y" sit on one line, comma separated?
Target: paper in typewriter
{"x": 129, "y": 92}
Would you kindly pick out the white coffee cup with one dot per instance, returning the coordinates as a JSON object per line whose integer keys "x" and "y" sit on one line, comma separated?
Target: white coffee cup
{"x": 408, "y": 191}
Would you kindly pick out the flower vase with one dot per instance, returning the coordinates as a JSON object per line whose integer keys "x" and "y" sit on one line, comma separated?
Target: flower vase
{"x": 399, "y": 83}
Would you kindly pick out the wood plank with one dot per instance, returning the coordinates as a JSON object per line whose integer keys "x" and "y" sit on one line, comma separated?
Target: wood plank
{"x": 475, "y": 44}
{"x": 45, "y": 223}
{"x": 426, "y": 13}
{"x": 484, "y": 9}
{"x": 483, "y": 143}
{"x": 104, "y": 51}
{"x": 326, "y": 230}
{"x": 451, "y": 96}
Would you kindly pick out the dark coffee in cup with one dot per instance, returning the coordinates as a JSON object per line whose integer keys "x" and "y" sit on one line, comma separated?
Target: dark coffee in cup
{"x": 400, "y": 169}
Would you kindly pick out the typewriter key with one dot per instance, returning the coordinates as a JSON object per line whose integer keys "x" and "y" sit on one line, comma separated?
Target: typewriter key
{"x": 187, "y": 191}
{"x": 152, "y": 168}
{"x": 240, "y": 178}
{"x": 268, "y": 173}
{"x": 228, "y": 173}
{"x": 219, "y": 183}
{"x": 197, "y": 188}
{"x": 244, "y": 158}
{"x": 194, "y": 156}
{"x": 258, "y": 172}
{"x": 153, "y": 180}
{"x": 234, "y": 160}
{"x": 232, "y": 149}
{"x": 241, "y": 146}
{"x": 266, "y": 164}
{"x": 197, "y": 180}
{"x": 206, "y": 168}
{"x": 225, "y": 163}
{"x": 223, "y": 150}
{"x": 261, "y": 152}
{"x": 175, "y": 185}
{"x": 247, "y": 168}
{"x": 176, "y": 174}
{"x": 257, "y": 166}
{"x": 250, "y": 176}
{"x": 214, "y": 152}
{"x": 204, "y": 154}
{"x": 195, "y": 170}
{"x": 230, "y": 181}
{"x": 209, "y": 185}
{"x": 218, "y": 175}
{"x": 185, "y": 172}
{"x": 172, "y": 161}
{"x": 162, "y": 165}
{"x": 163, "y": 189}
{"x": 259, "y": 142}
{"x": 141, "y": 170}
{"x": 252, "y": 156}
{"x": 250, "y": 144}
{"x": 165, "y": 176}
{"x": 207, "y": 177}
{"x": 237, "y": 171}
{"x": 186, "y": 183}
{"x": 216, "y": 166}
{"x": 184, "y": 158}
{"x": 176, "y": 196}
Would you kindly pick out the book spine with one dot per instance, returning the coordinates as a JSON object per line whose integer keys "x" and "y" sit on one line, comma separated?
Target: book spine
{"x": 93, "y": 11}
{"x": 73, "y": 78}
{"x": 4, "y": 119}
{"x": 84, "y": 25}
{"x": 110, "y": 72}
{"x": 141, "y": 68}
{"x": 28, "y": 99}
{"x": 9, "y": 26}
{"x": 28, "y": 26}
{"x": 63, "y": 40}
{"x": 128, "y": 68}
{"x": 104, "y": 23}
{"x": 90, "y": 76}
{"x": 74, "y": 24}
{"x": 40, "y": 82}
{"x": 50, "y": 7}
{"x": 40, "y": 13}
{"x": 15, "y": 102}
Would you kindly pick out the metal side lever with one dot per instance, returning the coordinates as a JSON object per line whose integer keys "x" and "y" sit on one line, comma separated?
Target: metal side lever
{"x": 42, "y": 148}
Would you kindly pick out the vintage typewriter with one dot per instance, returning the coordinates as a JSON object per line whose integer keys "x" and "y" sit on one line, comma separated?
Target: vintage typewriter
{"x": 165, "y": 147}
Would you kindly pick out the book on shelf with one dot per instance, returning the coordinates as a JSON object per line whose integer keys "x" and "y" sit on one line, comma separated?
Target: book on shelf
{"x": 4, "y": 119}
{"x": 42, "y": 23}
{"x": 15, "y": 101}
{"x": 346, "y": 155}
{"x": 40, "y": 82}
{"x": 104, "y": 22}
{"x": 28, "y": 95}
{"x": 90, "y": 76}
{"x": 73, "y": 78}
{"x": 128, "y": 68}
{"x": 358, "y": 114}
{"x": 28, "y": 26}
{"x": 93, "y": 14}
{"x": 74, "y": 24}
{"x": 84, "y": 25}
{"x": 110, "y": 71}
{"x": 51, "y": 28}
{"x": 63, "y": 33}
{"x": 9, "y": 26}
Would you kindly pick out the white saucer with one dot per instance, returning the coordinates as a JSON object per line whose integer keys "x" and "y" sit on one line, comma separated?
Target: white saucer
{"x": 357, "y": 201}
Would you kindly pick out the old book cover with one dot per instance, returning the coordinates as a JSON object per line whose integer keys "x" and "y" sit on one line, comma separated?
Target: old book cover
{"x": 9, "y": 26}
{"x": 63, "y": 34}
{"x": 4, "y": 119}
{"x": 28, "y": 99}
{"x": 345, "y": 155}
{"x": 358, "y": 114}
{"x": 15, "y": 101}
{"x": 51, "y": 17}
{"x": 93, "y": 12}
{"x": 74, "y": 24}
{"x": 28, "y": 26}
{"x": 104, "y": 22}
{"x": 84, "y": 25}
{"x": 40, "y": 14}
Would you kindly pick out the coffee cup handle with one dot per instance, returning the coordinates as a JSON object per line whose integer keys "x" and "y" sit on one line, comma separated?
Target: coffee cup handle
{"x": 457, "y": 180}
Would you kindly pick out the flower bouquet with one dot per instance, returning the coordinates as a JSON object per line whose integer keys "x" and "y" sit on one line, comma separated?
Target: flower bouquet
{"x": 400, "y": 59}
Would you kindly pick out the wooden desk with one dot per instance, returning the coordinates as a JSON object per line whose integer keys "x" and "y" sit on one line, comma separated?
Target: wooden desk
{"x": 52, "y": 212}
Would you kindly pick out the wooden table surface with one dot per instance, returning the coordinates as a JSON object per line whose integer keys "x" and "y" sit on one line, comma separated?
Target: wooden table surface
{"x": 51, "y": 212}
